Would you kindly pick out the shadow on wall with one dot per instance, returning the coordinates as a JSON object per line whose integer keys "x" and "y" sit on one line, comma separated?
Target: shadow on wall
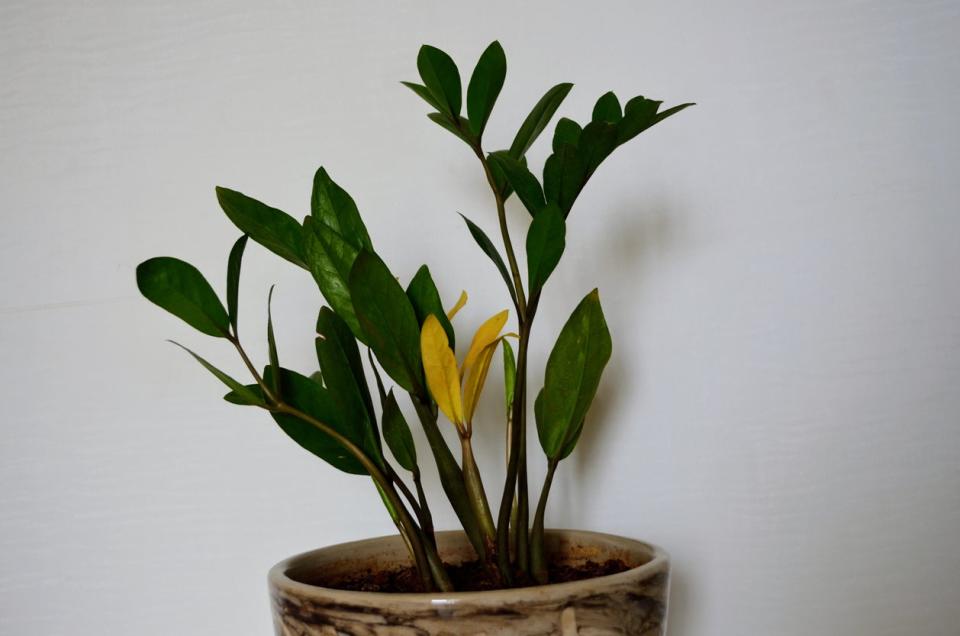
{"x": 641, "y": 238}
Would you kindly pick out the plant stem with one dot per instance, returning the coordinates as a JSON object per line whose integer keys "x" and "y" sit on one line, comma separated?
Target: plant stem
{"x": 426, "y": 521}
{"x": 538, "y": 560}
{"x": 451, "y": 476}
{"x": 477, "y": 495}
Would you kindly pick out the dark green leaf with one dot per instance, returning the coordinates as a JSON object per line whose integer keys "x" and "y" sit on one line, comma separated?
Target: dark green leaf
{"x": 330, "y": 258}
{"x": 396, "y": 432}
{"x": 441, "y": 77}
{"x": 567, "y": 132}
{"x": 641, "y": 113}
{"x": 243, "y": 398}
{"x": 522, "y": 181}
{"x": 307, "y": 396}
{"x": 597, "y": 141}
{"x": 487, "y": 246}
{"x": 343, "y": 376}
{"x": 331, "y": 205}
{"x": 444, "y": 122}
{"x": 509, "y": 372}
{"x": 233, "y": 279}
{"x": 243, "y": 393}
{"x": 272, "y": 344}
{"x": 607, "y": 109}
{"x": 423, "y": 294}
{"x": 181, "y": 289}
{"x": 275, "y": 230}
{"x": 538, "y": 119}
{"x": 388, "y": 320}
{"x": 376, "y": 375}
{"x": 563, "y": 177}
{"x": 572, "y": 375}
{"x": 545, "y": 242}
{"x": 485, "y": 85}
{"x": 499, "y": 178}
{"x": 424, "y": 94}
{"x": 573, "y": 436}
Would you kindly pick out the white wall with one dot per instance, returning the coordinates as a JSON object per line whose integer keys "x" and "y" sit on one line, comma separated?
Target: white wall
{"x": 779, "y": 268}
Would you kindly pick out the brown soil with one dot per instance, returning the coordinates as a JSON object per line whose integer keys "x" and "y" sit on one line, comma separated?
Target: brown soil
{"x": 471, "y": 576}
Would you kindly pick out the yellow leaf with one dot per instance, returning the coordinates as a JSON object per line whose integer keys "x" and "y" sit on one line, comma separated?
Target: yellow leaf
{"x": 460, "y": 303}
{"x": 475, "y": 378}
{"x": 440, "y": 367}
{"x": 487, "y": 333}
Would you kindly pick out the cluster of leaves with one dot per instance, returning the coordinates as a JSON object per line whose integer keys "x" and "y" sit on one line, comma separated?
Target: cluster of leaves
{"x": 331, "y": 413}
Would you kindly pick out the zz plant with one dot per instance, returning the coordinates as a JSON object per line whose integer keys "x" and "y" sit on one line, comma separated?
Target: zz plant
{"x": 410, "y": 337}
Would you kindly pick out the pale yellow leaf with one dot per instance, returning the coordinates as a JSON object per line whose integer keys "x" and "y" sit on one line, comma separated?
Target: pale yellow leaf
{"x": 475, "y": 378}
{"x": 440, "y": 367}
{"x": 460, "y": 303}
{"x": 487, "y": 333}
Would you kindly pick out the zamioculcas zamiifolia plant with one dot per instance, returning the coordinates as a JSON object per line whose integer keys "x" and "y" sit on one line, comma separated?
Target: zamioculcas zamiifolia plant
{"x": 405, "y": 334}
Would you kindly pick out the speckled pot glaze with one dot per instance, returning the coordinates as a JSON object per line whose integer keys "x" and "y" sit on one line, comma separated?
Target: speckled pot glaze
{"x": 632, "y": 602}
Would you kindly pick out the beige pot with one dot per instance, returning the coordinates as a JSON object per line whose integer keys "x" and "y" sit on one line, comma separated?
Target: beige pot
{"x": 633, "y": 602}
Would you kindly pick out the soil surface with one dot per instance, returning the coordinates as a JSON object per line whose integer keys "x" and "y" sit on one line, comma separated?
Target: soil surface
{"x": 471, "y": 576}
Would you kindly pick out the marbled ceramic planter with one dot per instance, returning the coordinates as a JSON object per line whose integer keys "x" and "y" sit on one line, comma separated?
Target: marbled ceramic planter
{"x": 633, "y": 602}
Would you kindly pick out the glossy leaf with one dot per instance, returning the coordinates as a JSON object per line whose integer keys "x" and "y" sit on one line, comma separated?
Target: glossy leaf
{"x": 522, "y": 182}
{"x": 485, "y": 85}
{"x": 441, "y": 77}
{"x": 307, "y": 396}
{"x": 396, "y": 432}
{"x": 387, "y": 319}
{"x": 181, "y": 289}
{"x": 343, "y": 376}
{"x": 538, "y": 119}
{"x": 440, "y": 368}
{"x": 331, "y": 205}
{"x": 423, "y": 294}
{"x": 244, "y": 394}
{"x": 546, "y": 239}
{"x": 488, "y": 248}
{"x": 275, "y": 230}
{"x": 607, "y": 109}
{"x": 330, "y": 258}
{"x": 572, "y": 375}
{"x": 233, "y": 279}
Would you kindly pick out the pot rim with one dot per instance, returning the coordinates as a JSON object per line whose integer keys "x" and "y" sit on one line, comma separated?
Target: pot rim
{"x": 279, "y": 580}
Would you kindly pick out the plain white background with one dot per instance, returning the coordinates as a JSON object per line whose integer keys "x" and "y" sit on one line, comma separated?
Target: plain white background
{"x": 780, "y": 268}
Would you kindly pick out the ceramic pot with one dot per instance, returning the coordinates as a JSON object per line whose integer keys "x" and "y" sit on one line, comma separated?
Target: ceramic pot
{"x": 632, "y": 602}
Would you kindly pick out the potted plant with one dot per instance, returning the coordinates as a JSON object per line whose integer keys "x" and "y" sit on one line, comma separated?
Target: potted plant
{"x": 503, "y": 572}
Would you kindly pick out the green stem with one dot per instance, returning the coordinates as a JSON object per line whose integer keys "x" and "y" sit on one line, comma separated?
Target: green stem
{"x": 451, "y": 476}
{"x": 523, "y": 508}
{"x": 426, "y": 519}
{"x": 477, "y": 495}
{"x": 538, "y": 560}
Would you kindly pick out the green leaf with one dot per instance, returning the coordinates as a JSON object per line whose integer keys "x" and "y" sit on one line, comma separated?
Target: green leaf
{"x": 272, "y": 344}
{"x": 444, "y": 121}
{"x": 307, "y": 396}
{"x": 485, "y": 85}
{"x": 509, "y": 372}
{"x": 499, "y": 177}
{"x": 330, "y": 258}
{"x": 545, "y": 242}
{"x": 488, "y": 248}
{"x": 607, "y": 109}
{"x": 640, "y": 114}
{"x": 233, "y": 279}
{"x": 563, "y": 177}
{"x": 243, "y": 393}
{"x": 243, "y": 398}
{"x": 441, "y": 77}
{"x": 424, "y": 94}
{"x": 396, "y": 432}
{"x": 522, "y": 181}
{"x": 573, "y": 436}
{"x": 567, "y": 132}
{"x": 275, "y": 230}
{"x": 597, "y": 141}
{"x": 538, "y": 119}
{"x": 388, "y": 320}
{"x": 423, "y": 294}
{"x": 181, "y": 289}
{"x": 343, "y": 376}
{"x": 331, "y": 205}
{"x": 572, "y": 375}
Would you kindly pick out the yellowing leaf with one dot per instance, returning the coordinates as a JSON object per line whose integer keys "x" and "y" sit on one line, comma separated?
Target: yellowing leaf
{"x": 460, "y": 303}
{"x": 475, "y": 378}
{"x": 440, "y": 367}
{"x": 486, "y": 334}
